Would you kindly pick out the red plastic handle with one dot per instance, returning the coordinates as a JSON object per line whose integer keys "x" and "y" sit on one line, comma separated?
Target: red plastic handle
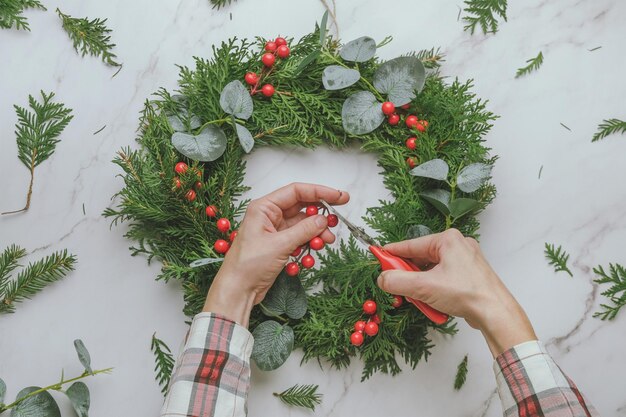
{"x": 392, "y": 262}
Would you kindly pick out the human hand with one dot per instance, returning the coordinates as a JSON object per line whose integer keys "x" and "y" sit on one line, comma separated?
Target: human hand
{"x": 461, "y": 283}
{"x": 272, "y": 228}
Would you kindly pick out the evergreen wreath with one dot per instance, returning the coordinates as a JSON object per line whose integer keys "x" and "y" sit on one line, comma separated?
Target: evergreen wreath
{"x": 189, "y": 171}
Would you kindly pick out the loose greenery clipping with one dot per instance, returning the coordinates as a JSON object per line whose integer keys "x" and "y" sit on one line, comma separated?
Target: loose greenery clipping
{"x": 616, "y": 293}
{"x": 557, "y": 258}
{"x": 461, "y": 374}
{"x": 484, "y": 15}
{"x": 305, "y": 396}
{"x": 609, "y": 127}
{"x": 533, "y": 65}
{"x": 11, "y": 13}
{"x": 164, "y": 362}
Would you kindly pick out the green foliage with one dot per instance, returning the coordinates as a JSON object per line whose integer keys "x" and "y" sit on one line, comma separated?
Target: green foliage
{"x": 616, "y": 292}
{"x": 217, "y": 4}
{"x": 484, "y": 14}
{"x": 557, "y": 258}
{"x": 609, "y": 127}
{"x": 90, "y": 37}
{"x": 301, "y": 396}
{"x": 163, "y": 362}
{"x": 11, "y": 13}
{"x": 32, "y": 279}
{"x": 533, "y": 65}
{"x": 461, "y": 374}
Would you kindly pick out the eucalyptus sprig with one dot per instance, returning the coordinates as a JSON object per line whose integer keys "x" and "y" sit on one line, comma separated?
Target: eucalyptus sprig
{"x": 533, "y": 65}
{"x": 11, "y": 13}
{"x": 484, "y": 14}
{"x": 616, "y": 293}
{"x": 557, "y": 258}
{"x": 305, "y": 396}
{"x": 609, "y": 127}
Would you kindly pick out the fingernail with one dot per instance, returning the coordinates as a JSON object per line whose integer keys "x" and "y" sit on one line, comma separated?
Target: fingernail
{"x": 320, "y": 221}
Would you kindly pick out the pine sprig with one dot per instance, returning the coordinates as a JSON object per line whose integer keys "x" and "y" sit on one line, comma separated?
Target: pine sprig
{"x": 461, "y": 374}
{"x": 37, "y": 133}
{"x": 11, "y": 13}
{"x": 8, "y": 263}
{"x": 557, "y": 258}
{"x": 32, "y": 279}
{"x": 616, "y": 293}
{"x": 533, "y": 65}
{"x": 483, "y": 14}
{"x": 90, "y": 37}
{"x": 164, "y": 362}
{"x": 301, "y": 396}
{"x": 609, "y": 127}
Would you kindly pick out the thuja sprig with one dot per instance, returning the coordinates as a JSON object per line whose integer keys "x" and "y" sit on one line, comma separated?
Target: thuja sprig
{"x": 11, "y": 13}
{"x": 616, "y": 293}
{"x": 461, "y": 374}
{"x": 557, "y": 257}
{"x": 483, "y": 14}
{"x": 533, "y": 65}
{"x": 301, "y": 396}
{"x": 37, "y": 133}
{"x": 90, "y": 37}
{"x": 431, "y": 58}
{"x": 217, "y": 4}
{"x": 164, "y": 362}
{"x": 609, "y": 127}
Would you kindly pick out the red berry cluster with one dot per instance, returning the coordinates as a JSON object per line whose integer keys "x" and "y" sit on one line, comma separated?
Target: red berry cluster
{"x": 370, "y": 327}
{"x": 302, "y": 254}
{"x": 276, "y": 48}
{"x": 182, "y": 169}
{"x": 223, "y": 225}
{"x": 411, "y": 121}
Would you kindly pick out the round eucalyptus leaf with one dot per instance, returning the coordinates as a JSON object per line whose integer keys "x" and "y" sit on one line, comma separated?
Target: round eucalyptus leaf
{"x": 435, "y": 168}
{"x": 83, "y": 354}
{"x": 361, "y": 113}
{"x": 418, "y": 230}
{"x": 359, "y": 50}
{"x": 439, "y": 198}
{"x": 40, "y": 405}
{"x": 178, "y": 98}
{"x": 245, "y": 137}
{"x": 400, "y": 78}
{"x": 209, "y": 145}
{"x": 472, "y": 177}
{"x": 235, "y": 100}
{"x": 287, "y": 296}
{"x": 461, "y": 206}
{"x": 204, "y": 261}
{"x": 3, "y": 390}
{"x": 273, "y": 344}
{"x": 78, "y": 393}
{"x": 179, "y": 123}
{"x": 336, "y": 77}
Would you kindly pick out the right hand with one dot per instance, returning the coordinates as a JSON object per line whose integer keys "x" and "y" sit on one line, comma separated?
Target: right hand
{"x": 460, "y": 283}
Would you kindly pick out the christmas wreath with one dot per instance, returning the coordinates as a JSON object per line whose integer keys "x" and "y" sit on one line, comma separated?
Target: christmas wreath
{"x": 183, "y": 186}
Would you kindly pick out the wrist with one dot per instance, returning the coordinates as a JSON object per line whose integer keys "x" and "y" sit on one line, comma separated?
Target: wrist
{"x": 228, "y": 299}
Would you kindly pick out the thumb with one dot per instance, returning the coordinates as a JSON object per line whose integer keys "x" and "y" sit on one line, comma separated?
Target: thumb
{"x": 303, "y": 231}
{"x": 410, "y": 284}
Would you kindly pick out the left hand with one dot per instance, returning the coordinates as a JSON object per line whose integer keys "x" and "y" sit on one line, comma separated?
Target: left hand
{"x": 272, "y": 228}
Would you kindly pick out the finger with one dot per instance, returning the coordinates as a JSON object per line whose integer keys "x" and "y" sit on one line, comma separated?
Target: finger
{"x": 292, "y": 194}
{"x": 327, "y": 236}
{"x": 426, "y": 249}
{"x": 302, "y": 232}
{"x": 416, "y": 285}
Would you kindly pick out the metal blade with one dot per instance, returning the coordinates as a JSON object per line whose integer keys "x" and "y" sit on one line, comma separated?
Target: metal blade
{"x": 356, "y": 231}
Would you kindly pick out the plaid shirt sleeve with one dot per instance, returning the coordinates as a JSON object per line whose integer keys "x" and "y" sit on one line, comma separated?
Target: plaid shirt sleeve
{"x": 531, "y": 384}
{"x": 211, "y": 377}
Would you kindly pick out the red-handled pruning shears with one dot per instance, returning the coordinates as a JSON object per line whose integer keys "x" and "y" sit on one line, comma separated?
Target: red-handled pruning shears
{"x": 389, "y": 262}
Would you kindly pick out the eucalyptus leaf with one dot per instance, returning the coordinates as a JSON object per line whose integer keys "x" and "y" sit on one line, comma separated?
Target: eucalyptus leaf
{"x": 418, "y": 230}
{"x": 400, "y": 78}
{"x": 39, "y": 405}
{"x": 323, "y": 28}
{"x": 273, "y": 344}
{"x": 473, "y": 176}
{"x": 78, "y": 393}
{"x": 179, "y": 124}
{"x": 204, "y": 261}
{"x": 439, "y": 198}
{"x": 359, "y": 50}
{"x": 287, "y": 296}
{"x": 336, "y": 77}
{"x": 235, "y": 100}
{"x": 83, "y": 354}
{"x": 307, "y": 60}
{"x": 361, "y": 113}
{"x": 3, "y": 390}
{"x": 245, "y": 137}
{"x": 461, "y": 206}
{"x": 435, "y": 168}
{"x": 209, "y": 145}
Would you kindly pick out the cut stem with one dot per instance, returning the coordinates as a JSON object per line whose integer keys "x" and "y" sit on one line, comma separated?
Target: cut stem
{"x": 28, "y": 195}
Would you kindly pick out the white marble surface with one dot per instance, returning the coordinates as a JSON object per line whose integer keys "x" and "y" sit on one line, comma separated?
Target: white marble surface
{"x": 112, "y": 301}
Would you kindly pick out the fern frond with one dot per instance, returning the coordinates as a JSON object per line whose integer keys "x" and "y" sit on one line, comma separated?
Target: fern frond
{"x": 461, "y": 374}
{"x": 616, "y": 293}
{"x": 164, "y": 362}
{"x": 557, "y": 258}
{"x": 533, "y": 65}
{"x": 301, "y": 396}
{"x": 483, "y": 14}
{"x": 609, "y": 127}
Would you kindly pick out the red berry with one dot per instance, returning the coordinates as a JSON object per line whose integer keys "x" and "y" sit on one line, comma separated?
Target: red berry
{"x": 232, "y": 236}
{"x": 371, "y": 329}
{"x": 332, "y": 220}
{"x": 197, "y": 185}
{"x": 271, "y": 46}
{"x": 251, "y": 78}
{"x": 268, "y": 59}
{"x": 375, "y": 319}
{"x": 316, "y": 243}
{"x": 394, "y": 119}
{"x": 177, "y": 182}
{"x": 221, "y": 246}
{"x": 191, "y": 195}
{"x": 369, "y": 307}
{"x": 405, "y": 106}
{"x": 283, "y": 51}
{"x": 211, "y": 211}
{"x": 280, "y": 41}
{"x": 359, "y": 326}
{"x": 388, "y": 108}
{"x": 356, "y": 338}
{"x": 297, "y": 251}
{"x": 422, "y": 125}
{"x": 411, "y": 121}
{"x": 397, "y": 301}
{"x": 411, "y": 143}
{"x": 307, "y": 261}
{"x": 181, "y": 168}
{"x": 292, "y": 269}
{"x": 411, "y": 162}
{"x": 223, "y": 225}
{"x": 311, "y": 211}
{"x": 268, "y": 90}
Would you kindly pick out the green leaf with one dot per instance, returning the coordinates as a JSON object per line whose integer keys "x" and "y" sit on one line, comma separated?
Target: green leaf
{"x": 609, "y": 127}
{"x": 273, "y": 344}
{"x": 461, "y": 206}
{"x": 400, "y": 78}
{"x": 533, "y": 65}
{"x": 183, "y": 122}
{"x": 436, "y": 169}
{"x": 323, "y": 28}
{"x": 83, "y": 355}
{"x": 40, "y": 405}
{"x": 3, "y": 390}
{"x": 204, "y": 261}
{"x": 461, "y": 374}
{"x": 305, "y": 396}
{"x": 557, "y": 258}
{"x": 235, "y": 100}
{"x": 438, "y": 198}
{"x": 336, "y": 77}
{"x": 473, "y": 176}
{"x": 209, "y": 145}
{"x": 418, "y": 230}
{"x": 361, "y": 113}
{"x": 359, "y": 50}
{"x": 307, "y": 60}
{"x": 616, "y": 293}
{"x": 245, "y": 138}
{"x": 78, "y": 393}
{"x": 287, "y": 296}
{"x": 163, "y": 362}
